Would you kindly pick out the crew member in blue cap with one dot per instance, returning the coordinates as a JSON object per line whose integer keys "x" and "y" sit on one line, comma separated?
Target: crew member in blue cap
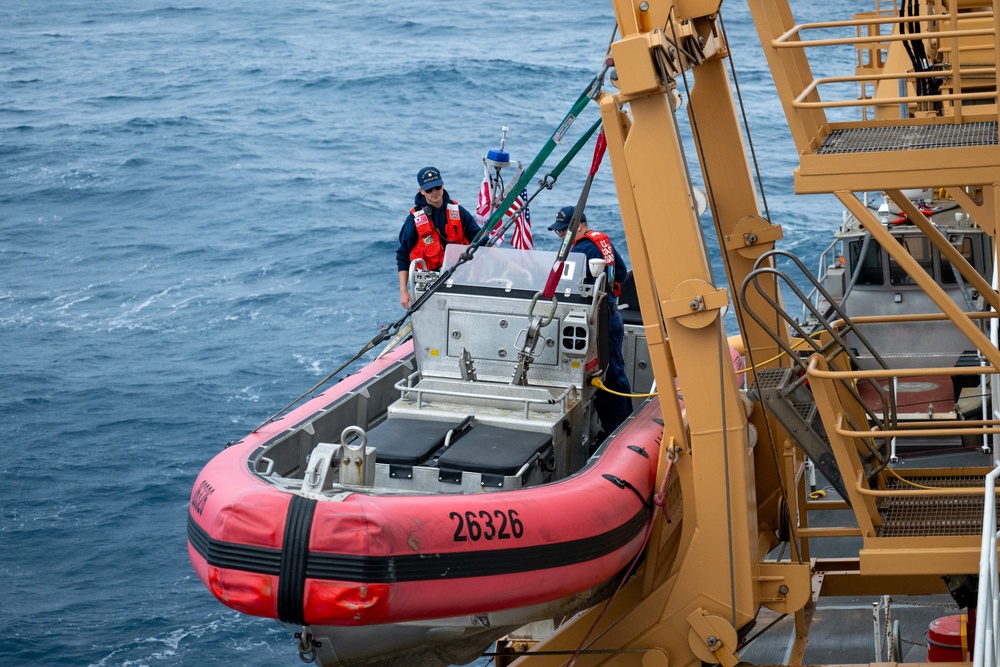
{"x": 434, "y": 221}
{"x": 612, "y": 410}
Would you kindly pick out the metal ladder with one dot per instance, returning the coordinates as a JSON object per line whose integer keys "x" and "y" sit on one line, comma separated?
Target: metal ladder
{"x": 784, "y": 388}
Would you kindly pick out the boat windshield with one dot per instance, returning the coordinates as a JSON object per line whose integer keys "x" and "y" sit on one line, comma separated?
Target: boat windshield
{"x": 969, "y": 245}
{"x": 515, "y": 269}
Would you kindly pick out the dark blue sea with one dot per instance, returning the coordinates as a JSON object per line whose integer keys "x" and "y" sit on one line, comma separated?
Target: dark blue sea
{"x": 199, "y": 207}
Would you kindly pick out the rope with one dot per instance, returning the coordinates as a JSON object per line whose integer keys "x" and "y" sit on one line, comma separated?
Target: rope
{"x": 725, "y": 454}
{"x": 908, "y": 482}
{"x": 777, "y": 356}
{"x": 890, "y": 649}
{"x": 383, "y": 335}
{"x": 746, "y": 125}
{"x": 768, "y": 627}
{"x": 596, "y": 382}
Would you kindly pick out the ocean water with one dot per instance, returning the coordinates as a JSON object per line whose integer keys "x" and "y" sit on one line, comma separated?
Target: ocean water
{"x": 199, "y": 207}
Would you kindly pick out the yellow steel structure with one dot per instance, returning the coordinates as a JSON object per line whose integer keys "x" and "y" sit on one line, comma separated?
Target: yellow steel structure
{"x": 706, "y": 576}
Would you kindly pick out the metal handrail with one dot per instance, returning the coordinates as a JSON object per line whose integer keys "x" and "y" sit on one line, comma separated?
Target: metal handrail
{"x": 800, "y": 103}
{"x": 785, "y": 41}
{"x": 926, "y": 429}
{"x": 860, "y": 487}
{"x": 837, "y": 333}
{"x": 915, "y": 317}
{"x": 987, "y": 643}
{"x": 883, "y": 373}
{"x": 945, "y": 29}
{"x": 406, "y": 388}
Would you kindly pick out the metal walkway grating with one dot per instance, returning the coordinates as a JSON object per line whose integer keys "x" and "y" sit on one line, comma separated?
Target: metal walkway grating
{"x": 914, "y": 137}
{"x": 932, "y": 516}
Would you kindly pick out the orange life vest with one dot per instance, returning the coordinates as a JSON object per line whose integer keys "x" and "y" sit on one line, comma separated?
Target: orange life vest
{"x": 603, "y": 244}
{"x": 429, "y": 247}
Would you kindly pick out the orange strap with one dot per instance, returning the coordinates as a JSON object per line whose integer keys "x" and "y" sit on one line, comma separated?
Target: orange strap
{"x": 964, "y": 625}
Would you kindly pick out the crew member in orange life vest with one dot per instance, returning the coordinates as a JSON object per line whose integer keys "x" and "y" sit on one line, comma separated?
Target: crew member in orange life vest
{"x": 434, "y": 221}
{"x": 611, "y": 410}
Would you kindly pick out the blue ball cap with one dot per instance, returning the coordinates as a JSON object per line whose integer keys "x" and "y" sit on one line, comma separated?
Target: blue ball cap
{"x": 563, "y": 218}
{"x": 429, "y": 177}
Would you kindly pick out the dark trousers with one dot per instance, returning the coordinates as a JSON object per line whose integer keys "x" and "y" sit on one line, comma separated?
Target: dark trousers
{"x": 613, "y": 410}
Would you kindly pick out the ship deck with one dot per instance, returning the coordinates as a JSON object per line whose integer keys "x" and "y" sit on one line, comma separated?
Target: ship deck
{"x": 842, "y": 628}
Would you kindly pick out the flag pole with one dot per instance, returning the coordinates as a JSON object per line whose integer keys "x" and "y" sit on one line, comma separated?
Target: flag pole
{"x": 550, "y": 178}
{"x": 590, "y": 93}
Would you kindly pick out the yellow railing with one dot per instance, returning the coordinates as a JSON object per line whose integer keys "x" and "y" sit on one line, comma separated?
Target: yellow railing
{"x": 944, "y": 28}
{"x": 785, "y": 41}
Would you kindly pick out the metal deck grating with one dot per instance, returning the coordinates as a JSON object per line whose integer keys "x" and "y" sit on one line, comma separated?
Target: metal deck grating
{"x": 932, "y": 516}
{"x": 915, "y": 137}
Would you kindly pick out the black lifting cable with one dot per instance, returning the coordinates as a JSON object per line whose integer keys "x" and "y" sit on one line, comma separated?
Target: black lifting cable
{"x": 746, "y": 126}
{"x": 483, "y": 238}
{"x": 763, "y": 195}
{"x": 760, "y": 185}
{"x": 386, "y": 332}
{"x": 726, "y": 259}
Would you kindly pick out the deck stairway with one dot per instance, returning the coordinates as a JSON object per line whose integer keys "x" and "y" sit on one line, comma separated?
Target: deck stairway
{"x": 785, "y": 390}
{"x": 921, "y": 112}
{"x": 814, "y": 395}
{"x": 792, "y": 404}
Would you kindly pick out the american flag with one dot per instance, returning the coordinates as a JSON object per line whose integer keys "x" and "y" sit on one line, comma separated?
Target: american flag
{"x": 485, "y": 204}
{"x": 521, "y": 237}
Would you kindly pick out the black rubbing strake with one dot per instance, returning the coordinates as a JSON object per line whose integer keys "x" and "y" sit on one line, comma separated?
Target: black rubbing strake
{"x": 506, "y": 558}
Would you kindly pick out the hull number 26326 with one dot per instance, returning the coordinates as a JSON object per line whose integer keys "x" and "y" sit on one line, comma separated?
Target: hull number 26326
{"x": 487, "y": 525}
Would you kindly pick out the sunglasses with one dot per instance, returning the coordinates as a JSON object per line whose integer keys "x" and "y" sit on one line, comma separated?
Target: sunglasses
{"x": 434, "y": 189}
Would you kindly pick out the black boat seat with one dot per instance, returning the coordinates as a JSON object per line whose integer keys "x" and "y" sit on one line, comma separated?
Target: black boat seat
{"x": 494, "y": 450}
{"x": 409, "y": 442}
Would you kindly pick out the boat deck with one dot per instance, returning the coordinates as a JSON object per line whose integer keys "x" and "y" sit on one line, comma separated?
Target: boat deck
{"x": 842, "y": 628}
{"x": 843, "y": 631}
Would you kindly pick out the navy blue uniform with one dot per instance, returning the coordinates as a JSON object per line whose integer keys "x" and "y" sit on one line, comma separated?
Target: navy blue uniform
{"x": 438, "y": 216}
{"x": 611, "y": 410}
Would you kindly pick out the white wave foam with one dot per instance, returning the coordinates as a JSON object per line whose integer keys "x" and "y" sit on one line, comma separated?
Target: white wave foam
{"x": 314, "y": 365}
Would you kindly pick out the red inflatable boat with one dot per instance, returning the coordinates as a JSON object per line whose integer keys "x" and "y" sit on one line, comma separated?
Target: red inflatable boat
{"x": 367, "y": 557}
{"x": 430, "y": 499}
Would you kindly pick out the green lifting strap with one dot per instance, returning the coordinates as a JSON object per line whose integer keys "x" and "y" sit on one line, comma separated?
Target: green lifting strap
{"x": 555, "y": 173}
{"x": 590, "y": 93}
